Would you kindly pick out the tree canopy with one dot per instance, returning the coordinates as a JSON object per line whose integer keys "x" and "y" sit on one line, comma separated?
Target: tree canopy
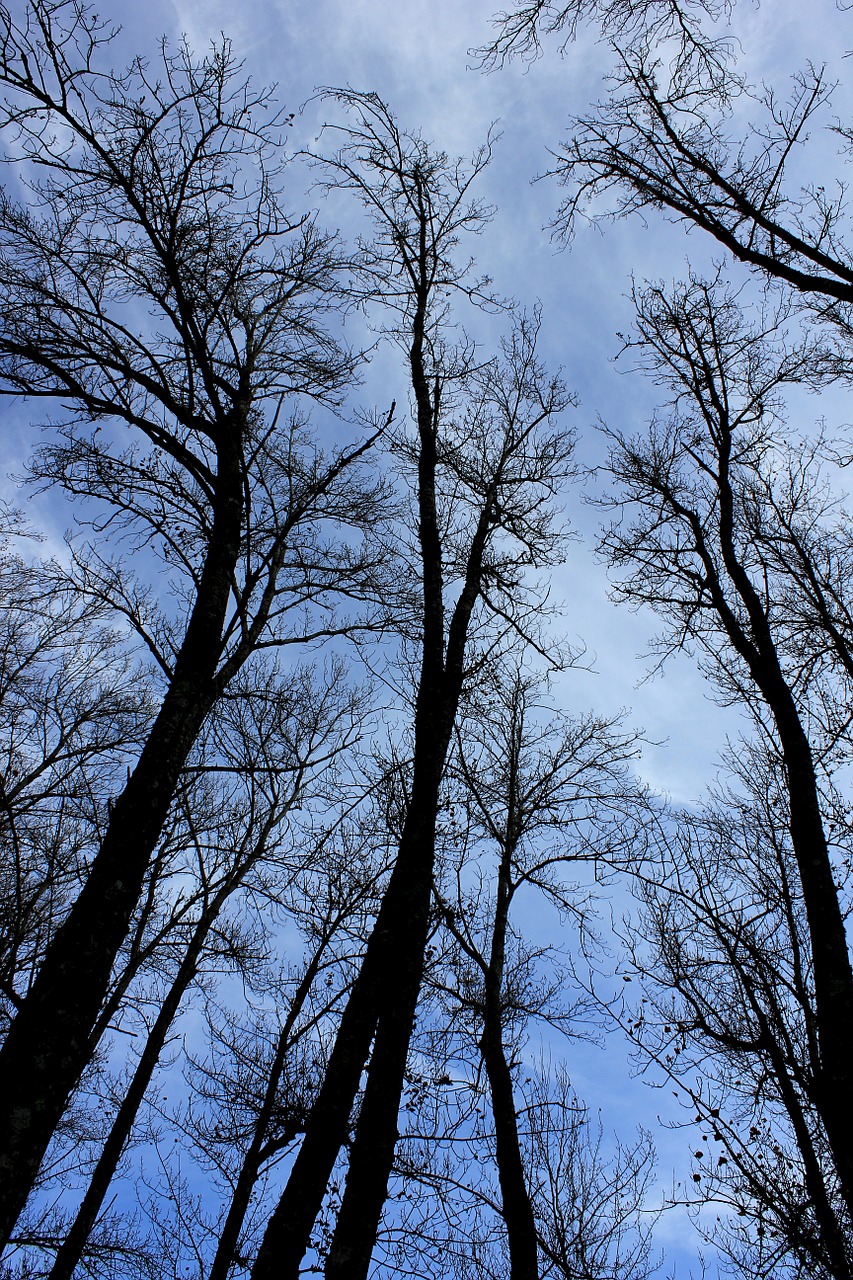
{"x": 335, "y": 923}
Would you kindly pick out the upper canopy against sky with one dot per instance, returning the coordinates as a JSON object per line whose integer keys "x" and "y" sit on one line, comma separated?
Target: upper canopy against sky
{"x": 417, "y": 55}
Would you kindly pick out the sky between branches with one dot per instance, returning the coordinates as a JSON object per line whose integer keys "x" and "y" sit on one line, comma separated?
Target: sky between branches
{"x": 417, "y": 54}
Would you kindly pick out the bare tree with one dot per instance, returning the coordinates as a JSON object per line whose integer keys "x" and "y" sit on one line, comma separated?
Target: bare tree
{"x": 544, "y": 795}
{"x": 727, "y": 530}
{"x": 729, "y": 1013}
{"x": 483, "y": 462}
{"x": 663, "y": 139}
{"x": 235, "y": 834}
{"x": 154, "y": 284}
{"x": 67, "y": 736}
{"x": 593, "y": 1216}
{"x": 334, "y": 905}
{"x": 644, "y": 24}
{"x": 741, "y": 545}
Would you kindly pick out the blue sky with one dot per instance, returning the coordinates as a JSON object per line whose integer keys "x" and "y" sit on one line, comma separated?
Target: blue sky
{"x": 415, "y": 53}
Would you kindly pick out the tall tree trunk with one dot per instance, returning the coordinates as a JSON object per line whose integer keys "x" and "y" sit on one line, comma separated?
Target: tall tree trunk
{"x": 515, "y": 1199}
{"x": 288, "y": 1232}
{"x": 49, "y": 1043}
{"x": 833, "y": 978}
{"x": 372, "y": 1154}
{"x": 834, "y": 1240}
{"x": 229, "y": 1236}
{"x": 439, "y": 690}
{"x": 833, "y": 975}
{"x": 71, "y": 1250}
{"x": 516, "y": 1207}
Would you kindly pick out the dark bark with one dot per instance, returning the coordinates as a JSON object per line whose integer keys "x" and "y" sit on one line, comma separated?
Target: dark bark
{"x": 372, "y": 1153}
{"x": 393, "y": 962}
{"x": 289, "y": 1229}
{"x": 661, "y": 158}
{"x": 72, "y": 1248}
{"x": 439, "y": 691}
{"x": 831, "y": 1233}
{"x": 645, "y": 146}
{"x": 395, "y": 949}
{"x": 516, "y": 1205}
{"x": 257, "y": 1152}
{"x": 132, "y": 207}
{"x": 421, "y": 205}
{"x": 515, "y": 1199}
{"x": 669, "y": 153}
{"x": 250, "y": 1169}
{"x": 392, "y": 966}
{"x": 666, "y": 151}
{"x": 713, "y": 553}
{"x": 833, "y": 976}
{"x": 49, "y": 1043}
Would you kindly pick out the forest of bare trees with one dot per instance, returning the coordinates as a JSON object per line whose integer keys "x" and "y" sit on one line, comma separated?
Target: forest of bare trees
{"x": 311, "y": 883}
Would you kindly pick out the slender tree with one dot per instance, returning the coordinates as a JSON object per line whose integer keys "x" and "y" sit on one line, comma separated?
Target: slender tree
{"x": 258, "y": 1083}
{"x": 154, "y": 284}
{"x": 67, "y": 736}
{"x": 729, "y": 1014}
{"x": 727, "y": 530}
{"x": 542, "y": 791}
{"x": 484, "y": 461}
{"x": 592, "y": 1208}
{"x": 237, "y": 840}
{"x": 740, "y": 544}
